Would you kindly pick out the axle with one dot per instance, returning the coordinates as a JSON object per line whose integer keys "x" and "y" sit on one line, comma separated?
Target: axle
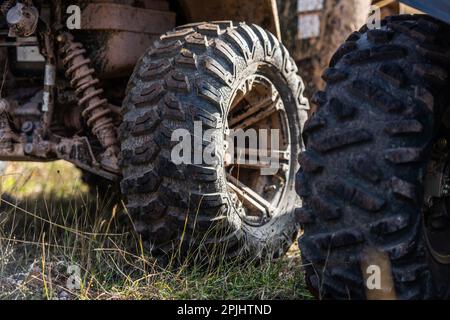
{"x": 49, "y": 122}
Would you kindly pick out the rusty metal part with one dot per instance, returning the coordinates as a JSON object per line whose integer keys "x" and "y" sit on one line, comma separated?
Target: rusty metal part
{"x": 76, "y": 150}
{"x": 18, "y": 114}
{"x": 7, "y": 137}
{"x": 71, "y": 118}
{"x": 23, "y": 20}
{"x": 48, "y": 94}
{"x": 20, "y": 43}
{"x": 48, "y": 104}
{"x": 261, "y": 12}
{"x": 110, "y": 16}
{"x": 22, "y": 140}
{"x": 95, "y": 108}
{"x": 257, "y": 106}
{"x": 436, "y": 208}
{"x": 114, "y": 44}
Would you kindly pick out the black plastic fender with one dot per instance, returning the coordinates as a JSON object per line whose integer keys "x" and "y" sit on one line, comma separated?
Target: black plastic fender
{"x": 439, "y": 9}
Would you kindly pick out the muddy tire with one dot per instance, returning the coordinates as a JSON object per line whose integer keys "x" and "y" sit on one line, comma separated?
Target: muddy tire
{"x": 192, "y": 75}
{"x": 368, "y": 148}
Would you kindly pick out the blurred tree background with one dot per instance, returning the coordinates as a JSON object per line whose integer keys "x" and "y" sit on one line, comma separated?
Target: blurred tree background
{"x": 312, "y": 30}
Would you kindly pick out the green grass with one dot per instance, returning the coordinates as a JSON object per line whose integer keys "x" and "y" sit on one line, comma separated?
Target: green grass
{"x": 55, "y": 224}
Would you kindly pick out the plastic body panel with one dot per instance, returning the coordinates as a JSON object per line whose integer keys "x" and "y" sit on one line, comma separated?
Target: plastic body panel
{"x": 439, "y": 9}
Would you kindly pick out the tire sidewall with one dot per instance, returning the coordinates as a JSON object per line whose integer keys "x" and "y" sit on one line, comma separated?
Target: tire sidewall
{"x": 282, "y": 227}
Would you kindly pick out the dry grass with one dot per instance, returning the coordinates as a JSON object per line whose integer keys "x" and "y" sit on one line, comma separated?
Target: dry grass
{"x": 56, "y": 226}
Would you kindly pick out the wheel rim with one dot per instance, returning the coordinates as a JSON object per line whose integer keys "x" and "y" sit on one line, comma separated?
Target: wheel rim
{"x": 257, "y": 109}
{"x": 437, "y": 203}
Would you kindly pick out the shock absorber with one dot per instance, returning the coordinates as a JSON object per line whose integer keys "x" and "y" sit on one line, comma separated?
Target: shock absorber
{"x": 96, "y": 112}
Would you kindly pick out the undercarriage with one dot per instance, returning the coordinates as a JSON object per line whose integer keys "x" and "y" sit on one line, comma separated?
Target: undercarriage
{"x": 106, "y": 85}
{"x": 60, "y": 97}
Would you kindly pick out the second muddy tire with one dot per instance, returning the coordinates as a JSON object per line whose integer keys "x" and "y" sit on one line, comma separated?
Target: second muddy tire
{"x": 189, "y": 76}
{"x": 368, "y": 146}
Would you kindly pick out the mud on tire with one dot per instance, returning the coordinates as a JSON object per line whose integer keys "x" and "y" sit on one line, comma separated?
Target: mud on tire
{"x": 368, "y": 146}
{"x": 190, "y": 75}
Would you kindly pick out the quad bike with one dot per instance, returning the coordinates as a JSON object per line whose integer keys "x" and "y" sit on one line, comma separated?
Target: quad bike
{"x": 375, "y": 174}
{"x": 72, "y": 94}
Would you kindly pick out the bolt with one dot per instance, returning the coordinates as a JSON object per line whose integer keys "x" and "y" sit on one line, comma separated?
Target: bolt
{"x": 270, "y": 188}
{"x": 27, "y": 127}
{"x": 445, "y": 190}
{"x": 28, "y": 149}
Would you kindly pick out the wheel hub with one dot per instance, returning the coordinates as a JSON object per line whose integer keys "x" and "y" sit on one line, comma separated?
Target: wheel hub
{"x": 437, "y": 203}
{"x": 257, "y": 149}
